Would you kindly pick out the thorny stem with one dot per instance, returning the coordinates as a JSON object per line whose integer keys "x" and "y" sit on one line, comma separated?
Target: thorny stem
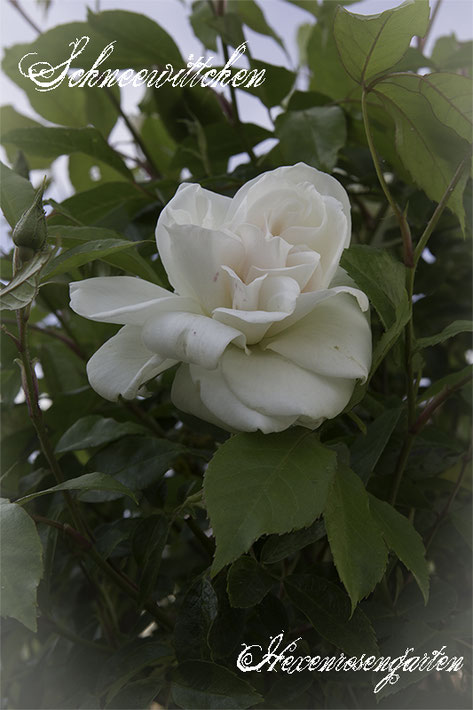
{"x": 205, "y": 541}
{"x": 30, "y": 387}
{"x": 417, "y": 426}
{"x": 401, "y": 217}
{"x": 218, "y": 10}
{"x": 466, "y": 458}
{"x": 436, "y": 402}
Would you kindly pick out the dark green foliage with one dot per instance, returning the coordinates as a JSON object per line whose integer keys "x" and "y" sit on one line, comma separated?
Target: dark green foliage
{"x": 163, "y": 546}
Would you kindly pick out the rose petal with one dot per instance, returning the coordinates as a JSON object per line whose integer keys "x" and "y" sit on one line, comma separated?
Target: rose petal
{"x": 185, "y": 395}
{"x": 334, "y": 339}
{"x": 329, "y": 240}
{"x": 192, "y": 205}
{"x": 189, "y": 338}
{"x": 123, "y": 299}
{"x": 197, "y": 256}
{"x": 274, "y": 386}
{"x": 309, "y": 300}
{"x": 291, "y": 175}
{"x": 223, "y": 404}
{"x": 123, "y": 364}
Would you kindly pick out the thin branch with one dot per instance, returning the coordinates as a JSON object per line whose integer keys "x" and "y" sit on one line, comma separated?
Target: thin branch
{"x": 24, "y": 15}
{"x": 421, "y": 41}
{"x": 439, "y": 210}
{"x": 53, "y": 334}
{"x": 150, "y": 166}
{"x": 436, "y": 402}
{"x": 71, "y": 636}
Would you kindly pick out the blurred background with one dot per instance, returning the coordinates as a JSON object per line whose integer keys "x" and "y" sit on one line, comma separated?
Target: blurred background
{"x": 22, "y": 20}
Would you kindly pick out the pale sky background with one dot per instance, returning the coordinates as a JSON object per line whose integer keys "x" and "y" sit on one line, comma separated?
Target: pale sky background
{"x": 454, "y": 16}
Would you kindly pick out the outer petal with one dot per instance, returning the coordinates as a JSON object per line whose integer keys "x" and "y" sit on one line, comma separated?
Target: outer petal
{"x": 308, "y": 301}
{"x": 123, "y": 299}
{"x": 189, "y": 338}
{"x": 334, "y": 339}
{"x": 223, "y": 404}
{"x": 191, "y": 205}
{"x": 276, "y": 387}
{"x": 185, "y": 395}
{"x": 123, "y": 364}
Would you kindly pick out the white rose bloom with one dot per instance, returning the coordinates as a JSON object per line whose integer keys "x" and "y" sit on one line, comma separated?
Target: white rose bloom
{"x": 269, "y": 330}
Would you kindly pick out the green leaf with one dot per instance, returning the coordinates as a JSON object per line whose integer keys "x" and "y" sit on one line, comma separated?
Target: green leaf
{"x": 228, "y": 627}
{"x": 23, "y": 287}
{"x": 371, "y": 44}
{"x": 367, "y": 449}
{"x": 253, "y": 17}
{"x": 87, "y": 482}
{"x": 53, "y": 142}
{"x": 332, "y": 81}
{"x": 136, "y": 695}
{"x": 258, "y": 484}
{"x": 451, "y": 100}
{"x": 401, "y": 537}
{"x": 328, "y": 609}
{"x": 159, "y": 143}
{"x": 10, "y": 119}
{"x": 62, "y": 105}
{"x": 95, "y": 430}
{"x": 201, "y": 21}
{"x": 314, "y": 135}
{"x": 140, "y": 42}
{"x": 449, "y": 54}
{"x": 229, "y": 26}
{"x": 357, "y": 546}
{"x": 196, "y": 615}
{"x": 247, "y": 583}
{"x": 429, "y": 150}
{"x": 277, "y": 85}
{"x": 443, "y": 600}
{"x": 380, "y": 276}
{"x": 458, "y": 326}
{"x": 86, "y": 172}
{"x": 111, "y": 205}
{"x": 200, "y": 684}
{"x": 149, "y": 539}
{"x": 278, "y": 547}
{"x": 21, "y": 556}
{"x": 85, "y": 253}
{"x": 136, "y": 462}
{"x": 129, "y": 261}
{"x": 128, "y": 661}
{"x": 16, "y": 194}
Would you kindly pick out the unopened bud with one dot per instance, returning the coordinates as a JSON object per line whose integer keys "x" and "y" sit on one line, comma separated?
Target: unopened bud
{"x": 30, "y": 231}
